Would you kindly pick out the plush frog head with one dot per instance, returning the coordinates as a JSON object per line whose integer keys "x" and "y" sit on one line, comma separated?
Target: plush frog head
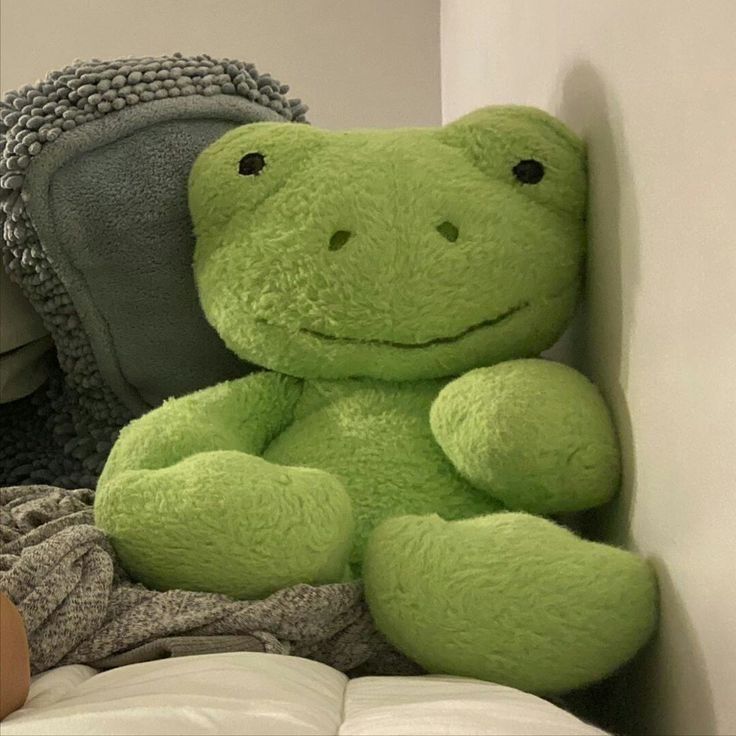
{"x": 399, "y": 254}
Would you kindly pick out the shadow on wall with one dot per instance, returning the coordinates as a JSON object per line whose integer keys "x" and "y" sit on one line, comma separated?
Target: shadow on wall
{"x": 612, "y": 278}
{"x": 672, "y": 667}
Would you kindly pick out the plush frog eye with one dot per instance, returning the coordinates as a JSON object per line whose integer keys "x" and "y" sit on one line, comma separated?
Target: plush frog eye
{"x": 252, "y": 164}
{"x": 529, "y": 171}
{"x": 542, "y": 160}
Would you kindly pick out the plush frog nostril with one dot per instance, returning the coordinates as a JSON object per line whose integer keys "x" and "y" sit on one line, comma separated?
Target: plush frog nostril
{"x": 339, "y": 239}
{"x": 448, "y": 231}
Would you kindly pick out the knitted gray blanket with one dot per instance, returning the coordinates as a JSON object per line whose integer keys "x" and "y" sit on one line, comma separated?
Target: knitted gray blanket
{"x": 79, "y": 606}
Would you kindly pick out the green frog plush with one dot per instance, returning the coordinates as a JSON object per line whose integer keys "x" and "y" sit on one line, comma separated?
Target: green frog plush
{"x": 397, "y": 286}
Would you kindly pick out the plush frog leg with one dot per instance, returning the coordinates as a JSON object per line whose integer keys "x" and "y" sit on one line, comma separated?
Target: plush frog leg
{"x": 188, "y": 503}
{"x": 534, "y": 434}
{"x": 509, "y": 597}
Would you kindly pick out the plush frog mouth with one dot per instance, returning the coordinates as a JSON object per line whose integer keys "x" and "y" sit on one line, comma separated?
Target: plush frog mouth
{"x": 493, "y": 321}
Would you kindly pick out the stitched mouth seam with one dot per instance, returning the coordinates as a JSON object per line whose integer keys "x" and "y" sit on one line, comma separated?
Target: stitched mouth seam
{"x": 435, "y": 341}
{"x": 429, "y": 343}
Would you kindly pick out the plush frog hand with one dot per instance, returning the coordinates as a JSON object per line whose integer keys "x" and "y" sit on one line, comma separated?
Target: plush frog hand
{"x": 397, "y": 286}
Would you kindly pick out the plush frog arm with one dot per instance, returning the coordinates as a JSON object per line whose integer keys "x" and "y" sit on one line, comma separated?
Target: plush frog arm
{"x": 534, "y": 434}
{"x": 188, "y": 503}
{"x": 241, "y": 415}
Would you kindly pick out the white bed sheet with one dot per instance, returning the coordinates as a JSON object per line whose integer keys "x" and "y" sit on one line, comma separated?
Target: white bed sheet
{"x": 268, "y": 694}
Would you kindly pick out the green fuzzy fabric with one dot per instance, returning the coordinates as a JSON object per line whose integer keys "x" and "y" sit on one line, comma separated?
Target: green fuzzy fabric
{"x": 397, "y": 301}
{"x": 398, "y": 285}
{"x": 509, "y": 597}
{"x": 493, "y": 424}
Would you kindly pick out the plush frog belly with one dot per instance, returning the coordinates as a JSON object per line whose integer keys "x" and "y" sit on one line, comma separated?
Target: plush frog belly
{"x": 396, "y": 286}
{"x": 376, "y": 438}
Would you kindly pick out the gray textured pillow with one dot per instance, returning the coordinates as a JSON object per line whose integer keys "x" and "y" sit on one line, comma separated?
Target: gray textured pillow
{"x": 109, "y": 205}
{"x": 24, "y": 344}
{"x": 94, "y": 163}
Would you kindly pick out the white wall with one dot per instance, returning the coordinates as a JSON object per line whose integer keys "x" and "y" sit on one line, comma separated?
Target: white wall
{"x": 358, "y": 63}
{"x": 652, "y": 86}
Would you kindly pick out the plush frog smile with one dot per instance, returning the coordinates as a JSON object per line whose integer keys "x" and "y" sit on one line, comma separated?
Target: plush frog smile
{"x": 436, "y": 340}
{"x": 396, "y": 286}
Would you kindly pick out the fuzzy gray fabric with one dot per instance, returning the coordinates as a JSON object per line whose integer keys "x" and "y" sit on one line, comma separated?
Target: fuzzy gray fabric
{"x": 79, "y": 607}
{"x": 95, "y": 229}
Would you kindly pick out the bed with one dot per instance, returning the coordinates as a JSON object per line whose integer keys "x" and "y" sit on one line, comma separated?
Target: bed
{"x": 268, "y": 694}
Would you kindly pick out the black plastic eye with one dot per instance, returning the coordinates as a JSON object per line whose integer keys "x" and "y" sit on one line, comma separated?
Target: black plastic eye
{"x": 252, "y": 164}
{"x": 529, "y": 171}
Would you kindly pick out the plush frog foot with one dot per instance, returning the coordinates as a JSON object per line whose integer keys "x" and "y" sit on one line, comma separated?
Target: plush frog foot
{"x": 189, "y": 504}
{"x": 259, "y": 528}
{"x": 397, "y": 286}
{"x": 510, "y": 598}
